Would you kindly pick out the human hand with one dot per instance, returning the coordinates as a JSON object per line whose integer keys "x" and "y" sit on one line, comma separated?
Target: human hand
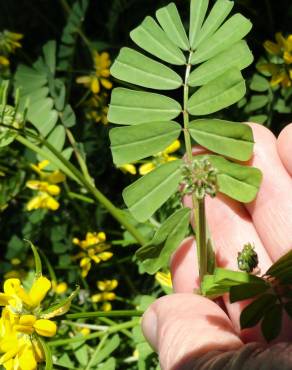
{"x": 192, "y": 332}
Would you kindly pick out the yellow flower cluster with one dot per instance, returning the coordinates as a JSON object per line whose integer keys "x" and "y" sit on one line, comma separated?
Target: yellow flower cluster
{"x": 96, "y": 106}
{"x": 280, "y": 64}
{"x": 9, "y": 42}
{"x": 94, "y": 249}
{"x": 106, "y": 294}
{"x": 22, "y": 322}
{"x": 158, "y": 159}
{"x": 46, "y": 188}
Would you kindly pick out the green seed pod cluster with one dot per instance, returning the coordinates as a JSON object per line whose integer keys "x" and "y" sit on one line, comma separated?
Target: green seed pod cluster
{"x": 247, "y": 259}
{"x": 200, "y": 178}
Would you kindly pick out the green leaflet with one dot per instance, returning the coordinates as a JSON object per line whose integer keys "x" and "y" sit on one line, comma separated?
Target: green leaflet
{"x": 231, "y": 139}
{"x": 136, "y": 68}
{"x": 247, "y": 290}
{"x": 282, "y": 269}
{"x": 272, "y": 322}
{"x": 170, "y": 21}
{"x": 198, "y": 11}
{"x": 130, "y": 107}
{"x": 239, "y": 56}
{"x": 110, "y": 345}
{"x": 225, "y": 90}
{"x": 156, "y": 254}
{"x": 254, "y": 312}
{"x": 237, "y": 181}
{"x": 233, "y": 30}
{"x": 259, "y": 83}
{"x": 148, "y": 193}
{"x": 150, "y": 37}
{"x": 256, "y": 102}
{"x": 218, "y": 13}
{"x": 129, "y": 144}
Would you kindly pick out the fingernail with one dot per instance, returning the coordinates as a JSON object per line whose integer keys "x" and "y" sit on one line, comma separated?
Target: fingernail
{"x": 149, "y": 327}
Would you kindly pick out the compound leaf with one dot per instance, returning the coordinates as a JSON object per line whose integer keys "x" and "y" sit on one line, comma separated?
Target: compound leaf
{"x": 225, "y": 90}
{"x": 150, "y": 37}
{"x": 130, "y": 107}
{"x": 198, "y": 11}
{"x": 218, "y": 13}
{"x": 148, "y": 193}
{"x": 233, "y": 30}
{"x": 239, "y": 56}
{"x": 272, "y": 322}
{"x": 129, "y": 144}
{"x": 231, "y": 139}
{"x": 170, "y": 21}
{"x": 134, "y": 67}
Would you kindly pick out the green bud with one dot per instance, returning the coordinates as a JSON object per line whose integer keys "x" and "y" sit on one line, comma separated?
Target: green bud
{"x": 247, "y": 259}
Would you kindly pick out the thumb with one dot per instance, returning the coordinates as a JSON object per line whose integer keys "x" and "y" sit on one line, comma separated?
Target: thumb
{"x": 182, "y": 327}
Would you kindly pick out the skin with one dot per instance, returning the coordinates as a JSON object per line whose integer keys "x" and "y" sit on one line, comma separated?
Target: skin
{"x": 184, "y": 327}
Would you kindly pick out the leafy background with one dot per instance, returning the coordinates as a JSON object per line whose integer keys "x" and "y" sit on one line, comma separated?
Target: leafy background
{"x": 105, "y": 27}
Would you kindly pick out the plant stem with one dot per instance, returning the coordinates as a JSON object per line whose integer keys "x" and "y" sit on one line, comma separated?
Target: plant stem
{"x": 95, "y": 353}
{"x": 71, "y": 171}
{"x": 198, "y": 205}
{"x": 119, "y": 313}
{"x": 110, "y": 330}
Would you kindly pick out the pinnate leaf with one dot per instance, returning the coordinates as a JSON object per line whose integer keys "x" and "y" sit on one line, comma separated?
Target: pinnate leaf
{"x": 231, "y": 139}
{"x": 134, "y": 67}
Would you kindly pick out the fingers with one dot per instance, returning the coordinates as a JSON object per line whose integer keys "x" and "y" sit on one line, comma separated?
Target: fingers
{"x": 271, "y": 211}
{"x": 182, "y": 327}
{"x": 284, "y": 147}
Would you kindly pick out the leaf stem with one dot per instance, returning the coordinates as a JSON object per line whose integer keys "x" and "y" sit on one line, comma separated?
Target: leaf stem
{"x": 118, "y": 313}
{"x": 110, "y": 330}
{"x": 198, "y": 205}
{"x": 71, "y": 171}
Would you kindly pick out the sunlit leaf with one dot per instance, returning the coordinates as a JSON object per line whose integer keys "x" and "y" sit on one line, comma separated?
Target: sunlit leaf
{"x": 225, "y": 90}
{"x": 233, "y": 30}
{"x": 255, "y": 311}
{"x": 231, "y": 139}
{"x": 170, "y": 21}
{"x": 147, "y": 194}
{"x": 150, "y": 37}
{"x": 134, "y": 67}
{"x": 217, "y": 15}
{"x": 110, "y": 346}
{"x": 237, "y": 181}
{"x": 198, "y": 11}
{"x": 238, "y": 56}
{"x": 156, "y": 254}
{"x": 130, "y": 107}
{"x": 129, "y": 144}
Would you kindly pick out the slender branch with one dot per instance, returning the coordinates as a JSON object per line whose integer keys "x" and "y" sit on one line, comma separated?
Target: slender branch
{"x": 118, "y": 313}
{"x": 111, "y": 330}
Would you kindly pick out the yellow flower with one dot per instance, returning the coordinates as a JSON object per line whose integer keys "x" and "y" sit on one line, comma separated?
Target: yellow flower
{"x": 280, "y": 71}
{"x": 164, "y": 279}
{"x": 59, "y": 288}
{"x": 46, "y": 188}
{"x": 100, "y": 75}
{"x": 94, "y": 249}
{"x": 160, "y": 158}
{"x": 96, "y": 108}
{"x": 129, "y": 167}
{"x": 106, "y": 288}
{"x": 9, "y": 42}
{"x": 4, "y": 62}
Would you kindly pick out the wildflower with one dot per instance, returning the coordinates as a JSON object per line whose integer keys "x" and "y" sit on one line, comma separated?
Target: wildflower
{"x": 9, "y": 42}
{"x": 160, "y": 158}
{"x": 46, "y": 188}
{"x": 106, "y": 294}
{"x": 96, "y": 108}
{"x": 22, "y": 322}
{"x": 129, "y": 167}
{"x": 164, "y": 279}
{"x": 280, "y": 56}
{"x": 100, "y": 75}
{"x": 94, "y": 249}
{"x": 59, "y": 288}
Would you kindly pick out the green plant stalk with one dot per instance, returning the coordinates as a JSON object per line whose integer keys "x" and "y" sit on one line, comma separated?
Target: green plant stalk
{"x": 70, "y": 170}
{"x": 198, "y": 205}
{"x": 118, "y": 313}
{"x": 110, "y": 330}
{"x": 98, "y": 348}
